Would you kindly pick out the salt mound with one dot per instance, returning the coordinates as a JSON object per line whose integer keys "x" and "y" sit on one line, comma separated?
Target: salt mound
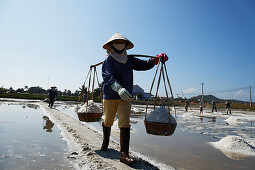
{"x": 92, "y": 108}
{"x": 234, "y": 156}
{"x": 234, "y": 120}
{"x": 161, "y": 115}
{"x": 234, "y": 147}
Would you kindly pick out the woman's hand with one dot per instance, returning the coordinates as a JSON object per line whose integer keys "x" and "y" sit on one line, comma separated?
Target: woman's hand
{"x": 162, "y": 55}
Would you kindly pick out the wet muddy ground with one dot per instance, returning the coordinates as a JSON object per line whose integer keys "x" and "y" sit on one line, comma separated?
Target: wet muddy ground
{"x": 29, "y": 140}
{"x": 188, "y": 147}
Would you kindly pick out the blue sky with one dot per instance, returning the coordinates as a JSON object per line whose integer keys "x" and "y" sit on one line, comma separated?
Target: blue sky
{"x": 206, "y": 40}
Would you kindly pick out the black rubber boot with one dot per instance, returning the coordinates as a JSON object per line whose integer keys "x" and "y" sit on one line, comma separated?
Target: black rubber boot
{"x": 124, "y": 147}
{"x": 107, "y": 132}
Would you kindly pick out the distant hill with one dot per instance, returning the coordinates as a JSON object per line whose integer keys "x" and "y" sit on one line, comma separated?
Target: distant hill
{"x": 209, "y": 98}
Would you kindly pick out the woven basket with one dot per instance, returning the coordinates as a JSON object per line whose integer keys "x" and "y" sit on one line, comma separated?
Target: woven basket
{"x": 161, "y": 129}
{"x": 90, "y": 117}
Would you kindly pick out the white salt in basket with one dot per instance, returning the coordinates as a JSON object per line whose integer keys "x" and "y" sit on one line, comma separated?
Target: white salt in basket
{"x": 160, "y": 122}
{"x": 87, "y": 115}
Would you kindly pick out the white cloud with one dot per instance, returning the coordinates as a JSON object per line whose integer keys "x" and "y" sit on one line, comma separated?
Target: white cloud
{"x": 190, "y": 90}
{"x": 240, "y": 93}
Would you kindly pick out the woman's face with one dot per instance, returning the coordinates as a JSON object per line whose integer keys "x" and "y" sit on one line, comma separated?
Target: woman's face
{"x": 119, "y": 44}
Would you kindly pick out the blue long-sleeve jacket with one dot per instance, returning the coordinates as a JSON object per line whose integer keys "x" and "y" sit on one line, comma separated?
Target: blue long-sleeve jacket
{"x": 113, "y": 71}
{"x": 52, "y": 94}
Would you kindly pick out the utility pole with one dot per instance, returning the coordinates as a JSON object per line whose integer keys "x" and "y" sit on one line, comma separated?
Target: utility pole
{"x": 202, "y": 99}
{"x": 250, "y": 98}
{"x": 202, "y": 92}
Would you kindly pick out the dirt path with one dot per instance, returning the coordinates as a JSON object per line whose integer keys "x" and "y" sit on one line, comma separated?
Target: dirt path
{"x": 85, "y": 145}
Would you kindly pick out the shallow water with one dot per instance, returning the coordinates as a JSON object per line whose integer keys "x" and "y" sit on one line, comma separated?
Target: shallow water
{"x": 188, "y": 147}
{"x": 29, "y": 140}
{"x": 185, "y": 149}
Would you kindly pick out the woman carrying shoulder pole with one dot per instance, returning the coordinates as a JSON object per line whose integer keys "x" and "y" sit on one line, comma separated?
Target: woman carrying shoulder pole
{"x": 117, "y": 72}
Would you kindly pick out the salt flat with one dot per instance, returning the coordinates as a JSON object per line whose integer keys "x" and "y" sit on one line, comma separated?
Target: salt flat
{"x": 85, "y": 145}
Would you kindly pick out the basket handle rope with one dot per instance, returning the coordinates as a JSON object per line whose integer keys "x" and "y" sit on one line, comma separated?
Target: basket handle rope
{"x": 151, "y": 90}
{"x": 159, "y": 78}
{"x": 83, "y": 88}
{"x": 88, "y": 77}
{"x": 93, "y": 83}
{"x": 87, "y": 101}
{"x": 166, "y": 97}
{"x": 172, "y": 96}
{"x": 95, "y": 76}
{"x": 101, "y": 97}
{"x": 163, "y": 74}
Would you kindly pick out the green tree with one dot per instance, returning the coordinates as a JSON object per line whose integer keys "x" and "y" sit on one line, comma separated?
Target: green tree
{"x": 2, "y": 90}
{"x": 96, "y": 93}
{"x": 76, "y": 93}
{"x": 36, "y": 90}
{"x": 11, "y": 90}
{"x": 69, "y": 93}
{"x": 60, "y": 93}
{"x": 65, "y": 92}
{"x": 20, "y": 90}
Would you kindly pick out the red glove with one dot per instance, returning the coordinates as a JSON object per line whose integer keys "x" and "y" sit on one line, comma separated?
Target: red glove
{"x": 165, "y": 58}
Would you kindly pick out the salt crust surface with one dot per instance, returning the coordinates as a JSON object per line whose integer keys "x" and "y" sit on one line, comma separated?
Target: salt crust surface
{"x": 232, "y": 145}
{"x": 161, "y": 115}
{"x": 234, "y": 120}
{"x": 86, "y": 142}
{"x": 92, "y": 108}
{"x": 137, "y": 110}
{"x": 188, "y": 115}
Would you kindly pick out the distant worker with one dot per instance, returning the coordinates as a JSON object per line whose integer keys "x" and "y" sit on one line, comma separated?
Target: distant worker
{"x": 201, "y": 106}
{"x": 186, "y": 105}
{"x": 52, "y": 95}
{"x": 228, "y": 107}
{"x": 117, "y": 73}
{"x": 213, "y": 106}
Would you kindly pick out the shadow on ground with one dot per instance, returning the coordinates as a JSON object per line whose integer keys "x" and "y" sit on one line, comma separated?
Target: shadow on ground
{"x": 115, "y": 155}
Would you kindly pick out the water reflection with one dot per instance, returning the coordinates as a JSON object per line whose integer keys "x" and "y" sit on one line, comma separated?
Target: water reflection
{"x": 134, "y": 121}
{"x": 210, "y": 119}
{"x": 47, "y": 124}
{"x": 186, "y": 149}
{"x": 34, "y": 149}
{"x": 234, "y": 156}
{"x": 33, "y": 106}
{"x": 24, "y": 105}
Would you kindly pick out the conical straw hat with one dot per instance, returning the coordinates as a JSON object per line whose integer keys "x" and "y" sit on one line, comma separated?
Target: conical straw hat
{"x": 118, "y": 36}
